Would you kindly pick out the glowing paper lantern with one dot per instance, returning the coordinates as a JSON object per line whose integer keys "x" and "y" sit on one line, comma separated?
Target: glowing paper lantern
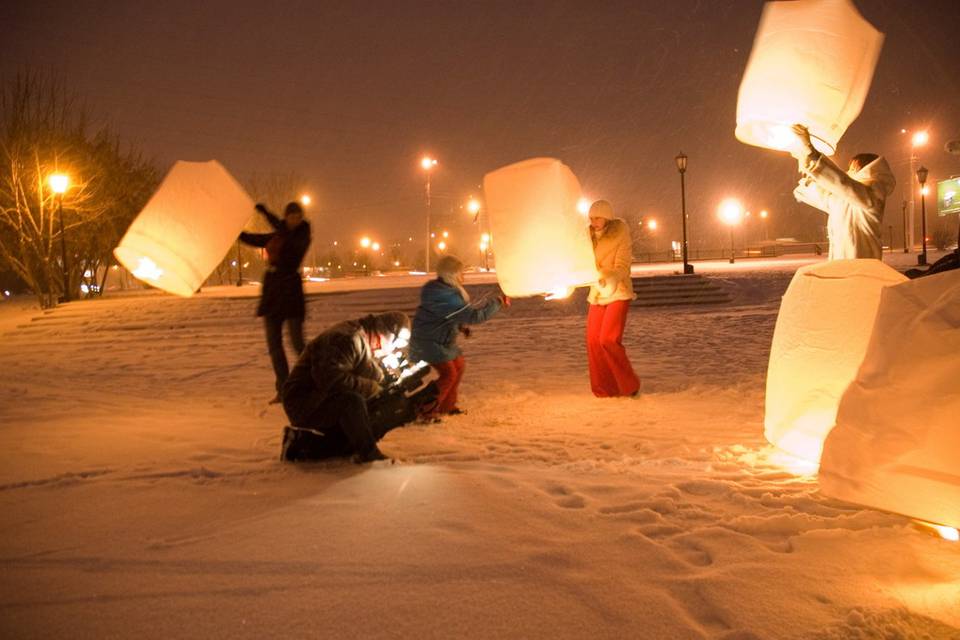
{"x": 542, "y": 242}
{"x": 812, "y": 63}
{"x": 186, "y": 228}
{"x": 819, "y": 341}
{"x": 896, "y": 444}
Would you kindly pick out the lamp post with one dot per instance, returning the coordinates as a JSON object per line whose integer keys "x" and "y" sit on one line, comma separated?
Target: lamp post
{"x": 731, "y": 212}
{"x": 918, "y": 139}
{"x": 428, "y": 164}
{"x": 922, "y": 178}
{"x": 239, "y": 266}
{"x": 903, "y": 207}
{"x": 764, "y": 214}
{"x": 681, "y": 161}
{"x": 58, "y": 184}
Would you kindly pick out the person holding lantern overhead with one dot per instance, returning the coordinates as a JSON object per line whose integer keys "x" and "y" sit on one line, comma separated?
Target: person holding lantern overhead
{"x": 611, "y": 373}
{"x": 853, "y": 200}
{"x": 281, "y": 297}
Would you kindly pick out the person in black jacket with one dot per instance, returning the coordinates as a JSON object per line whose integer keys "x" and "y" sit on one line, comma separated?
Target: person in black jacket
{"x": 281, "y": 297}
{"x": 337, "y": 384}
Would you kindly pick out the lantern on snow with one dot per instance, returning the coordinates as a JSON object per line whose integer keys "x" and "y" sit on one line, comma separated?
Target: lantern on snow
{"x": 812, "y": 63}
{"x": 819, "y": 341}
{"x": 896, "y": 444}
{"x": 542, "y": 241}
{"x": 186, "y": 228}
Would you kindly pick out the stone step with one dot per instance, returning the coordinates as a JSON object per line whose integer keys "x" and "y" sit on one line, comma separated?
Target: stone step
{"x": 678, "y": 290}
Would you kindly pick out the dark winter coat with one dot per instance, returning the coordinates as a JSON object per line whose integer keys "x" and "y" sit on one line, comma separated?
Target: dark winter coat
{"x": 339, "y": 359}
{"x": 282, "y": 293}
{"x": 437, "y": 322}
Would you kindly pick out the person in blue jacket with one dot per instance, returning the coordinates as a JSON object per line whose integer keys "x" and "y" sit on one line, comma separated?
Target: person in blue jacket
{"x": 445, "y": 310}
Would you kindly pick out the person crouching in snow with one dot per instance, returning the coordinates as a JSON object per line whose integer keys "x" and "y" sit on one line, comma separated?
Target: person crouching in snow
{"x": 853, "y": 200}
{"x": 444, "y": 311}
{"x": 610, "y": 371}
{"x": 331, "y": 385}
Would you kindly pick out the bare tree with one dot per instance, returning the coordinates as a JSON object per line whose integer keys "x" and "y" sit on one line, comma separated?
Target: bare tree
{"x": 44, "y": 130}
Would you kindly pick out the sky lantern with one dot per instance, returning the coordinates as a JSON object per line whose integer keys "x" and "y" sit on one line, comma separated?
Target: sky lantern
{"x": 186, "y": 228}
{"x": 543, "y": 245}
{"x": 896, "y": 443}
{"x": 820, "y": 339}
{"x": 812, "y": 64}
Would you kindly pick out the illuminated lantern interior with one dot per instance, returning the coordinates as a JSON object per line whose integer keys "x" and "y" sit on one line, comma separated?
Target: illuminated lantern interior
{"x": 812, "y": 64}
{"x": 542, "y": 242}
{"x": 820, "y": 338}
{"x": 896, "y": 444}
{"x": 186, "y": 228}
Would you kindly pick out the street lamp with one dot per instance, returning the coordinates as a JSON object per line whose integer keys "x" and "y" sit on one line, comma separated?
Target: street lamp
{"x": 922, "y": 178}
{"x": 58, "y": 184}
{"x": 428, "y": 164}
{"x": 764, "y": 214}
{"x": 305, "y": 200}
{"x": 918, "y": 139}
{"x": 681, "y": 161}
{"x": 731, "y": 212}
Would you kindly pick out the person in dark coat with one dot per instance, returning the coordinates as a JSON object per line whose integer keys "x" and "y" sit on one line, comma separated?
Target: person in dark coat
{"x": 281, "y": 297}
{"x": 444, "y": 312}
{"x": 333, "y": 383}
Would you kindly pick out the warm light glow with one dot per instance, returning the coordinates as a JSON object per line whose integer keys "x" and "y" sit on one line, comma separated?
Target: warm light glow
{"x": 782, "y": 137}
{"x": 764, "y": 214}
{"x": 473, "y": 206}
{"x": 365, "y": 242}
{"x": 375, "y": 246}
{"x": 583, "y": 205}
{"x": 59, "y": 183}
{"x": 428, "y": 163}
{"x": 793, "y": 464}
{"x": 396, "y": 263}
{"x": 305, "y": 200}
{"x": 652, "y": 225}
{"x": 446, "y": 234}
{"x": 925, "y": 191}
{"x": 920, "y": 138}
{"x": 559, "y": 293}
{"x": 442, "y": 246}
{"x": 147, "y": 269}
{"x": 947, "y": 533}
{"x": 485, "y": 238}
{"x": 730, "y": 211}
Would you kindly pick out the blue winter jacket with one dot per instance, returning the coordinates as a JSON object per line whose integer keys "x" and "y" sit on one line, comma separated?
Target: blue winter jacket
{"x": 441, "y": 312}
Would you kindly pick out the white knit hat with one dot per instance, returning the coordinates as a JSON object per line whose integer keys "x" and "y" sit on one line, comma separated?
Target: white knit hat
{"x": 601, "y": 209}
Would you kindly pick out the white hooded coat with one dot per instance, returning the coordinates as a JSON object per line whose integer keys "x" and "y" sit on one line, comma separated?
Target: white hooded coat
{"x": 613, "y": 250}
{"x": 853, "y": 203}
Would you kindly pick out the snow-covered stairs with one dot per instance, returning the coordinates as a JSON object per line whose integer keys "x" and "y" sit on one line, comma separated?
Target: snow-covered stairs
{"x": 676, "y": 290}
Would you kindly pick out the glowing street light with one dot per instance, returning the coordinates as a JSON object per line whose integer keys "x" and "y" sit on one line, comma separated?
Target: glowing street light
{"x": 922, "y": 179}
{"x": 365, "y": 242}
{"x": 583, "y": 206}
{"x": 731, "y": 213}
{"x": 375, "y": 246}
{"x": 428, "y": 164}
{"x": 59, "y": 183}
{"x": 442, "y": 246}
{"x": 764, "y": 214}
{"x": 446, "y": 234}
{"x": 652, "y": 225}
{"x": 305, "y": 200}
{"x": 473, "y": 206}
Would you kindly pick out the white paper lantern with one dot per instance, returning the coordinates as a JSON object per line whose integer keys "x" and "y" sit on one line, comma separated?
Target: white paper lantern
{"x": 186, "y": 228}
{"x": 821, "y": 336}
{"x": 812, "y": 64}
{"x": 896, "y": 444}
{"x": 541, "y": 241}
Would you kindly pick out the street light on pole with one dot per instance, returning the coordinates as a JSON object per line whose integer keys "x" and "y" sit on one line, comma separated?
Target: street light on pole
{"x": 918, "y": 139}
{"x": 731, "y": 212}
{"x": 922, "y": 178}
{"x": 681, "y": 161}
{"x": 59, "y": 182}
{"x": 428, "y": 164}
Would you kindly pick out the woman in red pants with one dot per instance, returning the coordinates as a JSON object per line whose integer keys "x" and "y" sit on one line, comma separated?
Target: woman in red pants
{"x": 610, "y": 371}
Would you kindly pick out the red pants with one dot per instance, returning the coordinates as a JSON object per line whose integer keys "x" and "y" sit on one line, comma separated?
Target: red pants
{"x": 610, "y": 370}
{"x": 450, "y": 375}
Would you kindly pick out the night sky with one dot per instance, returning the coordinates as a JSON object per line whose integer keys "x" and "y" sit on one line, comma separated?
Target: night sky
{"x": 350, "y": 95}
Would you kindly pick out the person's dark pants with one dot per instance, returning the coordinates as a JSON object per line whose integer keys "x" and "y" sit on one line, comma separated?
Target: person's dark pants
{"x": 345, "y": 422}
{"x": 278, "y": 357}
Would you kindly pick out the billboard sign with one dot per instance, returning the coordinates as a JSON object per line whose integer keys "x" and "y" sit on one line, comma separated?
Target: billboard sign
{"x": 948, "y": 196}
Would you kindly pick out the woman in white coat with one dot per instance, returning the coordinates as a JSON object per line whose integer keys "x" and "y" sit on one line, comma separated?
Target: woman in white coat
{"x": 610, "y": 371}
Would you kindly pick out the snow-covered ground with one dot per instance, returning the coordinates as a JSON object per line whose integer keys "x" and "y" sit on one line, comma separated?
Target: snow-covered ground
{"x": 141, "y": 494}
